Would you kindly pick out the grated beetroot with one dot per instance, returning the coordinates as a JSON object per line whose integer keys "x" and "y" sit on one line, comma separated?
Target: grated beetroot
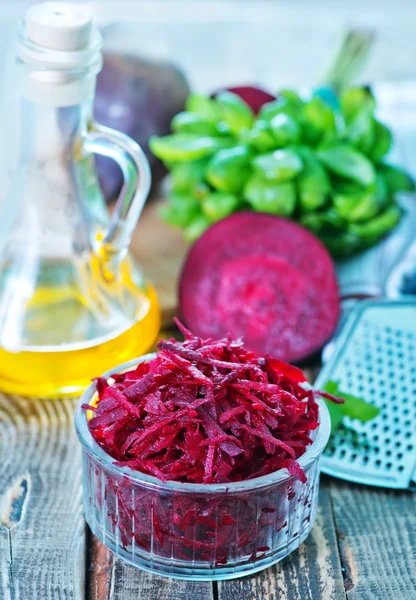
{"x": 205, "y": 411}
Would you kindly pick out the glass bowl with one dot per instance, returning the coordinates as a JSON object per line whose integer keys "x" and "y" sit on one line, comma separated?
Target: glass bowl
{"x": 197, "y": 531}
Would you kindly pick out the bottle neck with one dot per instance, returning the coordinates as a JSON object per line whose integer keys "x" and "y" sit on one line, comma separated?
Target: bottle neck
{"x": 50, "y": 132}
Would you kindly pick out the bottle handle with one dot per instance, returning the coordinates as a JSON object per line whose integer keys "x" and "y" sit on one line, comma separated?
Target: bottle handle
{"x": 134, "y": 165}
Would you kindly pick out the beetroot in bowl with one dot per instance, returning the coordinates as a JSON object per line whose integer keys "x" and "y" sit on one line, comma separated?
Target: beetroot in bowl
{"x": 201, "y": 480}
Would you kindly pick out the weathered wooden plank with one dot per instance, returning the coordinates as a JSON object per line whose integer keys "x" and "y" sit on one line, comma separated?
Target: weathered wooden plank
{"x": 377, "y": 539}
{"x": 112, "y": 579}
{"x": 313, "y": 572}
{"x": 42, "y": 541}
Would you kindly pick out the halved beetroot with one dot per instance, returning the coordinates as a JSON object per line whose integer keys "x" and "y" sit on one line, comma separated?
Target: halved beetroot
{"x": 265, "y": 279}
{"x": 254, "y": 96}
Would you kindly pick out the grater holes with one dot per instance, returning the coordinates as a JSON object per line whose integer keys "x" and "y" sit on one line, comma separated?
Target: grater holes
{"x": 379, "y": 365}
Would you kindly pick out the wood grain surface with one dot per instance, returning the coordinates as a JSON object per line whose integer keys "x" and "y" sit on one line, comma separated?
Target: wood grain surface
{"x": 42, "y": 541}
{"x": 112, "y": 579}
{"x": 376, "y": 532}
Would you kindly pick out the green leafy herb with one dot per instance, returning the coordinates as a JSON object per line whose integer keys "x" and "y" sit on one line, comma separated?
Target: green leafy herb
{"x": 353, "y": 407}
{"x": 320, "y": 161}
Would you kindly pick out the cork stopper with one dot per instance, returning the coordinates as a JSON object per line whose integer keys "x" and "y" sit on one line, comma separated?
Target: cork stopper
{"x": 59, "y": 26}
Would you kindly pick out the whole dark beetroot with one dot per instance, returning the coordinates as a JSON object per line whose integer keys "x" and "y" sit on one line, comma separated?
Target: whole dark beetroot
{"x": 139, "y": 97}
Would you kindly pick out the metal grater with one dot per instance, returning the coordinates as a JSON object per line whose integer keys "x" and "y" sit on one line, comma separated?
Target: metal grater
{"x": 375, "y": 358}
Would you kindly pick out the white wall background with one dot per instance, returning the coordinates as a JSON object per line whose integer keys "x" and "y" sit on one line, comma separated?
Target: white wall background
{"x": 272, "y": 42}
{"x": 277, "y": 42}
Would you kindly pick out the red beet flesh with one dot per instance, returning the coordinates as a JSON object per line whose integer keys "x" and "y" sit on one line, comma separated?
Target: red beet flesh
{"x": 264, "y": 279}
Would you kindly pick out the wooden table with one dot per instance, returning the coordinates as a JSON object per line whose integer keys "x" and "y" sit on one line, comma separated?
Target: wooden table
{"x": 362, "y": 547}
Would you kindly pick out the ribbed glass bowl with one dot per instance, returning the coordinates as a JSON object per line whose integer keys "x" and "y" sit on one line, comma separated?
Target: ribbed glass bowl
{"x": 197, "y": 531}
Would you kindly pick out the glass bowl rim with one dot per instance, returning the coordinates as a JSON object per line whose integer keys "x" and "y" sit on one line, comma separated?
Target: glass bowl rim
{"x": 99, "y": 455}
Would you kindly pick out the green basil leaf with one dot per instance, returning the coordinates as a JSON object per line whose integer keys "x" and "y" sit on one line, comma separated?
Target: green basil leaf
{"x": 354, "y": 100}
{"x": 357, "y": 207}
{"x": 206, "y": 108}
{"x": 313, "y": 183}
{"x": 219, "y": 205}
{"x": 270, "y": 196}
{"x": 285, "y": 130}
{"x": 260, "y": 136}
{"x": 188, "y": 122}
{"x": 379, "y": 226}
{"x": 186, "y": 146}
{"x": 381, "y": 143}
{"x": 397, "y": 179}
{"x": 323, "y": 222}
{"x": 180, "y": 210}
{"x": 361, "y": 132}
{"x": 347, "y": 162}
{"x": 282, "y": 105}
{"x": 318, "y": 120}
{"x": 186, "y": 175}
{"x": 341, "y": 244}
{"x": 196, "y": 228}
{"x": 353, "y": 407}
{"x": 336, "y": 414}
{"x": 235, "y": 112}
{"x": 229, "y": 169}
{"x": 281, "y": 165}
